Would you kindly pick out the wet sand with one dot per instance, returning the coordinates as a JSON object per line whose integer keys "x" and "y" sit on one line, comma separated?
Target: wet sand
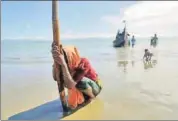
{"x": 132, "y": 89}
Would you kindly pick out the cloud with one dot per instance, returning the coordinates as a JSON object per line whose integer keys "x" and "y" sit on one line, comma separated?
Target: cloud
{"x": 148, "y": 17}
{"x": 143, "y": 19}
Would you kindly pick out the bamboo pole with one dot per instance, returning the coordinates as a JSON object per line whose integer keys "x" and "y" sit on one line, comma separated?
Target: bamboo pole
{"x": 56, "y": 39}
{"x": 56, "y": 36}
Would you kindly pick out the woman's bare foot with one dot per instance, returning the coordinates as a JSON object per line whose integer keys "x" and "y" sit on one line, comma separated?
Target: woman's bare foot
{"x": 91, "y": 100}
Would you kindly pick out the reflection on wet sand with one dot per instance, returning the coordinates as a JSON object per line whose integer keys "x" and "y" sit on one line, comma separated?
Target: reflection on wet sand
{"x": 127, "y": 55}
{"x": 123, "y": 64}
{"x": 133, "y": 63}
{"x": 151, "y": 64}
{"x": 124, "y": 57}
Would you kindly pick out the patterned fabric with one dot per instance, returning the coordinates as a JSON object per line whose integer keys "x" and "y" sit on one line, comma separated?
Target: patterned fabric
{"x": 86, "y": 83}
{"x": 75, "y": 98}
{"x": 87, "y": 70}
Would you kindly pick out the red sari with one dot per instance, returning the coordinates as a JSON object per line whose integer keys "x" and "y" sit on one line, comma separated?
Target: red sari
{"x": 87, "y": 70}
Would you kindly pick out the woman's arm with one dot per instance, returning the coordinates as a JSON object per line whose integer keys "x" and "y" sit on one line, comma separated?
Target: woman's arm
{"x": 59, "y": 59}
{"x": 82, "y": 69}
{"x": 79, "y": 74}
{"x": 68, "y": 80}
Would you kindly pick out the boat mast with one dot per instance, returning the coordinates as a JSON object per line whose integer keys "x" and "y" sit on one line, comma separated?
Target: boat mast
{"x": 125, "y": 36}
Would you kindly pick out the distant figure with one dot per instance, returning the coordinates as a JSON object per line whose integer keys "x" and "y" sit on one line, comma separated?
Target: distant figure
{"x": 151, "y": 42}
{"x": 133, "y": 41}
{"x": 154, "y": 41}
{"x": 147, "y": 56}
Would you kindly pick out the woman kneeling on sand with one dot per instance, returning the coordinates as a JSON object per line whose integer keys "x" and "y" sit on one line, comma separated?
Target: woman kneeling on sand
{"x": 79, "y": 77}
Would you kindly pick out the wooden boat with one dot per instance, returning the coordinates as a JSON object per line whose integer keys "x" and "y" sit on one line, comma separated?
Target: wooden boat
{"x": 121, "y": 38}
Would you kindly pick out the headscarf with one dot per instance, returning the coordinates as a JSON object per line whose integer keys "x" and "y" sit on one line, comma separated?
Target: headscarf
{"x": 73, "y": 56}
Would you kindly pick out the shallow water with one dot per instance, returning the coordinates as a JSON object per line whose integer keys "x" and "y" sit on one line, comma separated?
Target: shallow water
{"x": 132, "y": 89}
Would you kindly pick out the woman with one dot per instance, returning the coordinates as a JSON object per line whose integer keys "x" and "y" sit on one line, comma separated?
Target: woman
{"x": 78, "y": 74}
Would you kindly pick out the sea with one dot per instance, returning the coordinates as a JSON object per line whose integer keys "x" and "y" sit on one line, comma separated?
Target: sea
{"x": 132, "y": 89}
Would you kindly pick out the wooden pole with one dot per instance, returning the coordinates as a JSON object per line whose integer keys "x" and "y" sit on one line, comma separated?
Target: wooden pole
{"x": 56, "y": 36}
{"x": 56, "y": 39}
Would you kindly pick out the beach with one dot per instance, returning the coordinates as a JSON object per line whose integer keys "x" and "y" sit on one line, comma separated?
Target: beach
{"x": 131, "y": 88}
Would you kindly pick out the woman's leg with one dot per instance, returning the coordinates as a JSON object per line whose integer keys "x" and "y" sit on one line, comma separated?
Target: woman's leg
{"x": 88, "y": 87}
{"x": 89, "y": 92}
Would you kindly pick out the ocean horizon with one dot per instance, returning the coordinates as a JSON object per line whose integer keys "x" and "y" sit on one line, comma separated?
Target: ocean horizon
{"x": 19, "y": 50}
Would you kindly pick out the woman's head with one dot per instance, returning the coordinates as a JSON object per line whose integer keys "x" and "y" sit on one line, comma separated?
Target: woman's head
{"x": 73, "y": 57}
{"x": 77, "y": 73}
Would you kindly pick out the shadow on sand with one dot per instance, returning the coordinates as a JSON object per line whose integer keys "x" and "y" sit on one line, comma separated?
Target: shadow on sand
{"x": 53, "y": 111}
{"x": 48, "y": 111}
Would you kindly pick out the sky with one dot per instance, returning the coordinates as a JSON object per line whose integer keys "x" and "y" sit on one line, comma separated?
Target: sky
{"x": 32, "y": 20}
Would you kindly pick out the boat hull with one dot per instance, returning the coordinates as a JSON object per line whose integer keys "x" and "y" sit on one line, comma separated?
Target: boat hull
{"x": 118, "y": 43}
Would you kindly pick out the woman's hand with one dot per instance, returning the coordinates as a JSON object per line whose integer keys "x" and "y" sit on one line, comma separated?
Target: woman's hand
{"x": 57, "y": 56}
{"x": 81, "y": 66}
